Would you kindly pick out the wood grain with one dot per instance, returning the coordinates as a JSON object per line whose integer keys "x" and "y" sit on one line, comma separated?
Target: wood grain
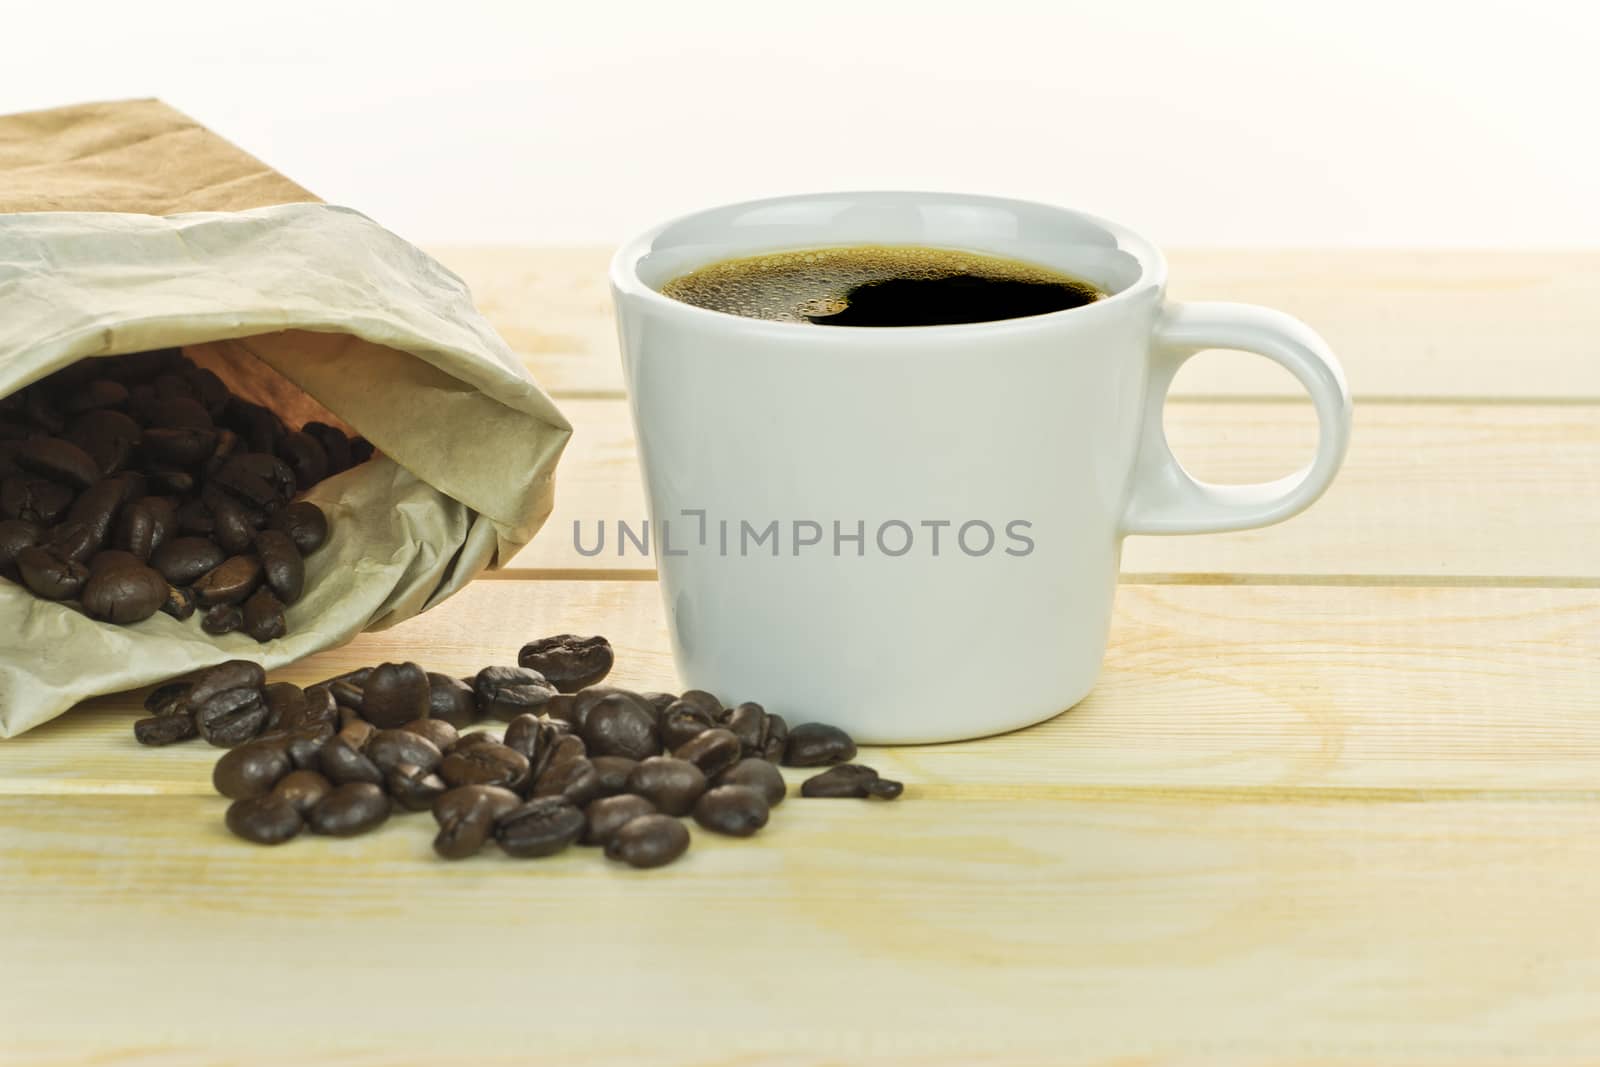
{"x": 1459, "y": 324}
{"x": 924, "y": 931}
{"x": 1489, "y": 491}
{"x": 1206, "y": 690}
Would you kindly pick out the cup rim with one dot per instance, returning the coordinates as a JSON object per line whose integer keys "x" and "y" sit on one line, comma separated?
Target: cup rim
{"x": 625, "y": 280}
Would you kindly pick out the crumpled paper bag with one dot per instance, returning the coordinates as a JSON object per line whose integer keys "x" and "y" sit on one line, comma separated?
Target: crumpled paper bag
{"x": 317, "y": 312}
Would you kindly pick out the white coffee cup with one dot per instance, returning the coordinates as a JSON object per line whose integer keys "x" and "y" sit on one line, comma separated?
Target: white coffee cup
{"x": 1037, "y": 442}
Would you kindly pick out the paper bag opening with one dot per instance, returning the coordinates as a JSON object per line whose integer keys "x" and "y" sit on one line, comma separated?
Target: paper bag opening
{"x": 317, "y": 313}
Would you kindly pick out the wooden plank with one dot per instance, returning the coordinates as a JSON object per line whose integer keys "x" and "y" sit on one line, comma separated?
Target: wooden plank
{"x": 1329, "y": 690}
{"x": 1430, "y": 491}
{"x": 1461, "y": 324}
{"x": 924, "y": 931}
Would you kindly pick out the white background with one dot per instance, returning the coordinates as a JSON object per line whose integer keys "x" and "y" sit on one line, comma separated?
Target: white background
{"x": 1208, "y": 122}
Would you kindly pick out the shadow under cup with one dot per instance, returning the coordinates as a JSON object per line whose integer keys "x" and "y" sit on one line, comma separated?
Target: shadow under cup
{"x": 912, "y": 533}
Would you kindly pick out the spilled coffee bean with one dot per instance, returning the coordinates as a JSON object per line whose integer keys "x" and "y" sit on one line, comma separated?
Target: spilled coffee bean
{"x": 851, "y": 780}
{"x": 603, "y": 765}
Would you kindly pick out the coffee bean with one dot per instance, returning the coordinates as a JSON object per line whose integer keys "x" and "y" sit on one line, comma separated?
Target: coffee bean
{"x": 394, "y": 694}
{"x": 621, "y": 725}
{"x": 302, "y": 790}
{"x": 450, "y": 700}
{"x": 43, "y": 502}
{"x": 232, "y": 674}
{"x": 748, "y": 722}
{"x": 184, "y": 560}
{"x": 671, "y": 784}
{"x": 816, "y": 744}
{"x": 195, "y": 518}
{"x": 75, "y": 541}
{"x": 414, "y": 788}
{"x": 59, "y": 461}
{"x": 165, "y": 729}
{"x": 143, "y": 526}
{"x": 713, "y": 751}
{"x": 281, "y": 563}
{"x": 171, "y": 481}
{"x": 304, "y": 745}
{"x": 609, "y": 814}
{"x": 178, "y": 408}
{"x": 335, "y": 445}
{"x": 342, "y": 763}
{"x": 542, "y": 741}
{"x": 706, "y": 702}
{"x": 469, "y": 738}
{"x": 49, "y": 576}
{"x": 231, "y": 717}
{"x": 522, "y": 734}
{"x": 659, "y": 703}
{"x": 347, "y": 693}
{"x": 735, "y": 810}
{"x": 125, "y": 594}
{"x": 222, "y": 619}
{"x": 112, "y": 559}
{"x": 16, "y": 535}
{"x": 263, "y": 616}
{"x": 108, "y": 437}
{"x": 586, "y": 700}
{"x": 681, "y": 722}
{"x": 758, "y": 774}
{"x": 177, "y": 447}
{"x": 561, "y": 707}
{"x": 256, "y": 479}
{"x": 179, "y": 603}
{"x": 541, "y": 827}
{"x": 358, "y": 732}
{"x": 43, "y": 412}
{"x": 305, "y": 457}
{"x": 352, "y": 808}
{"x": 648, "y": 841}
{"x": 506, "y": 692}
{"x": 613, "y": 773}
{"x": 560, "y": 746}
{"x": 775, "y": 739}
{"x": 305, "y": 524}
{"x": 391, "y": 748}
{"x": 265, "y": 820}
{"x": 250, "y": 770}
{"x": 97, "y": 507}
{"x": 441, "y": 733}
{"x": 575, "y": 779}
{"x": 568, "y": 662}
{"x": 466, "y": 816}
{"x": 286, "y": 705}
{"x": 95, "y": 393}
{"x": 850, "y": 780}
{"x": 230, "y": 525}
{"x": 485, "y": 764}
{"x": 230, "y": 582}
{"x": 169, "y": 698}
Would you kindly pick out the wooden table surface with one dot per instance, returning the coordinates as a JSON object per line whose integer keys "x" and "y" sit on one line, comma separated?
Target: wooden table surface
{"x": 1335, "y": 800}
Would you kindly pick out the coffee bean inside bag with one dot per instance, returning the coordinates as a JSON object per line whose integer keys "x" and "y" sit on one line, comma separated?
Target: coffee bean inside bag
{"x": 315, "y": 377}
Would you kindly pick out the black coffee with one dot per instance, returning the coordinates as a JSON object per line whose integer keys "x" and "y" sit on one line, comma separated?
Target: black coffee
{"x": 880, "y": 286}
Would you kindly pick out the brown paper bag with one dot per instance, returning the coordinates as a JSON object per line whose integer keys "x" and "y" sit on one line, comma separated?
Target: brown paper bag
{"x": 313, "y": 310}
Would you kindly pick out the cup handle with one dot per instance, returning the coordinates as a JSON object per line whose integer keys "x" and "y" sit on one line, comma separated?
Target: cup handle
{"x": 1164, "y": 498}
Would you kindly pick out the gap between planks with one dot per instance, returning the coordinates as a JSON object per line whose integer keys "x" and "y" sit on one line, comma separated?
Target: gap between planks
{"x": 1407, "y": 581}
{"x": 1245, "y": 398}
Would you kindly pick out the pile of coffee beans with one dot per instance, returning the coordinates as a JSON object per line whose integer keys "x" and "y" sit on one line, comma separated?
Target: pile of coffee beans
{"x": 576, "y": 762}
{"x": 140, "y": 484}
